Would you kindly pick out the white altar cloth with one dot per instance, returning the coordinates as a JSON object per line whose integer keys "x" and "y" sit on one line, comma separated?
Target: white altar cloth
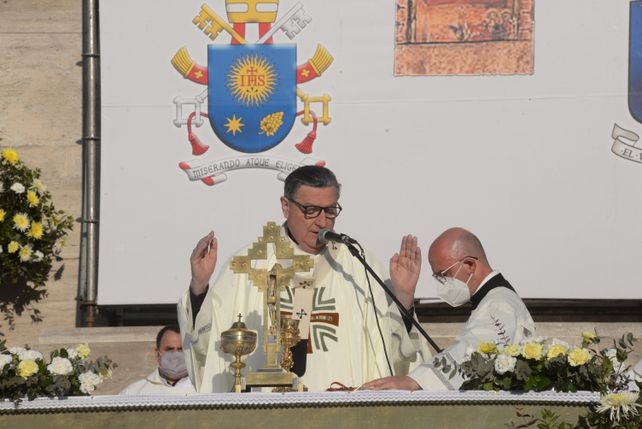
{"x": 294, "y": 400}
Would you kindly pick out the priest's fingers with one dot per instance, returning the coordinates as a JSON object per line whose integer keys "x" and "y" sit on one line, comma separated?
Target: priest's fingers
{"x": 202, "y": 246}
{"x": 409, "y": 246}
{"x": 392, "y": 383}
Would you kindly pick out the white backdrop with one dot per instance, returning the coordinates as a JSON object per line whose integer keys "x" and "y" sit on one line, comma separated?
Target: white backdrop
{"x": 522, "y": 161}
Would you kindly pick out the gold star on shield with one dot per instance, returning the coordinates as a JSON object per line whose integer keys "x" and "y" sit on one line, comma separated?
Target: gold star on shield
{"x": 305, "y": 72}
{"x": 198, "y": 74}
{"x": 234, "y": 124}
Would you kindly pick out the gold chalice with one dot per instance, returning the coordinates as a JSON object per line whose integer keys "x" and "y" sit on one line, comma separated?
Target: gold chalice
{"x": 239, "y": 341}
{"x": 289, "y": 338}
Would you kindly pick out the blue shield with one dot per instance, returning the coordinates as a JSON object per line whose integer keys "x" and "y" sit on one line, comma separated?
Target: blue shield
{"x": 252, "y": 94}
{"x": 635, "y": 61}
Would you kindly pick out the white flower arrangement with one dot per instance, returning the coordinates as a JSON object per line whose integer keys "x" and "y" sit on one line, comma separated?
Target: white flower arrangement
{"x": 70, "y": 372}
{"x": 544, "y": 364}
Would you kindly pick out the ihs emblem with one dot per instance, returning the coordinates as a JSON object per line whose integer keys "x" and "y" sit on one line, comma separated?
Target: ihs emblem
{"x": 252, "y": 89}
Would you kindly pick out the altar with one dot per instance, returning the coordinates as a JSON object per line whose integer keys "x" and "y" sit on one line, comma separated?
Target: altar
{"x": 364, "y": 409}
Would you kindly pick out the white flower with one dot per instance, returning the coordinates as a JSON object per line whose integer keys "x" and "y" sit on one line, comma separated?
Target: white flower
{"x": 60, "y": 366}
{"x": 619, "y": 404}
{"x": 30, "y": 355}
{"x": 72, "y": 353}
{"x": 16, "y": 350}
{"x": 4, "y": 359}
{"x": 38, "y": 255}
{"x": 469, "y": 352}
{"x": 58, "y": 245}
{"x": 88, "y": 381}
{"x": 557, "y": 342}
{"x": 505, "y": 363}
{"x": 18, "y": 188}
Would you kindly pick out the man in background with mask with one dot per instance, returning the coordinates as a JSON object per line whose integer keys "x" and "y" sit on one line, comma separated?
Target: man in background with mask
{"x": 463, "y": 274}
{"x": 170, "y": 378}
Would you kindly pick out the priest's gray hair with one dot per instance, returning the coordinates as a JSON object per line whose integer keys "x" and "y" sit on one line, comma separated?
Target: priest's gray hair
{"x": 310, "y": 175}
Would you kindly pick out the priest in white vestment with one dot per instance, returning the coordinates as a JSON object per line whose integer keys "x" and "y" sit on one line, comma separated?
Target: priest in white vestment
{"x": 352, "y": 333}
{"x": 463, "y": 274}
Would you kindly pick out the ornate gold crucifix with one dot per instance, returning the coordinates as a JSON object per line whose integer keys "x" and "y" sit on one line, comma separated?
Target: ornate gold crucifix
{"x": 271, "y": 282}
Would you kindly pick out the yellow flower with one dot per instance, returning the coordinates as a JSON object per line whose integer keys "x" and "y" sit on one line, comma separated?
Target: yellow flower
{"x": 13, "y": 247}
{"x": 588, "y": 336}
{"x": 2, "y": 215}
{"x": 32, "y": 198}
{"x": 36, "y": 231}
{"x": 25, "y": 253}
{"x": 10, "y": 155}
{"x": 511, "y": 349}
{"x": 487, "y": 348}
{"x": 556, "y": 350}
{"x": 20, "y": 222}
{"x": 27, "y": 368}
{"x": 532, "y": 351}
{"x": 578, "y": 356}
{"x": 83, "y": 350}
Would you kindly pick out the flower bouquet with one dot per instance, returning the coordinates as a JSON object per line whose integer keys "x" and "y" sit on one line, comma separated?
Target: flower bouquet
{"x": 549, "y": 364}
{"x": 24, "y": 373}
{"x": 32, "y": 234}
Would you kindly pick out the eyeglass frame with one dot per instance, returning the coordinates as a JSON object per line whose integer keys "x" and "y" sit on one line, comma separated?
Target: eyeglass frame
{"x": 304, "y": 209}
{"x": 440, "y": 276}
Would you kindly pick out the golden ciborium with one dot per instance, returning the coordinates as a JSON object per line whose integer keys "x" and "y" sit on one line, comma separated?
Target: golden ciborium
{"x": 239, "y": 341}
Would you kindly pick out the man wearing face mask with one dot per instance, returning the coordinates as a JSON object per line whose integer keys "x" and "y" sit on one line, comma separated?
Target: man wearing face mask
{"x": 170, "y": 378}
{"x": 463, "y": 274}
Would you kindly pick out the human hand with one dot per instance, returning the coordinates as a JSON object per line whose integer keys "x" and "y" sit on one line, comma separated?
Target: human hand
{"x": 392, "y": 383}
{"x": 405, "y": 267}
{"x": 202, "y": 262}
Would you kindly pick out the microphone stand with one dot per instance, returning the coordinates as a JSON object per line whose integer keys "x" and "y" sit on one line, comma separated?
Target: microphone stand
{"x": 406, "y": 314}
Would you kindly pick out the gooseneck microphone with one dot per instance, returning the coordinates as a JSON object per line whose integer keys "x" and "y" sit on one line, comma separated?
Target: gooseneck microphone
{"x": 326, "y": 236}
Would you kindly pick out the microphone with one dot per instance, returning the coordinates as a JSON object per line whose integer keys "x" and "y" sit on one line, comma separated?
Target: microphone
{"x": 326, "y": 236}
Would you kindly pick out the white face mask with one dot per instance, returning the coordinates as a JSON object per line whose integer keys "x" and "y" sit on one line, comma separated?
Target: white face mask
{"x": 454, "y": 291}
{"x": 172, "y": 365}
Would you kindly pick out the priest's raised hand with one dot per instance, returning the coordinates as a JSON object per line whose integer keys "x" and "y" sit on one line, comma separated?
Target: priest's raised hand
{"x": 202, "y": 262}
{"x": 405, "y": 267}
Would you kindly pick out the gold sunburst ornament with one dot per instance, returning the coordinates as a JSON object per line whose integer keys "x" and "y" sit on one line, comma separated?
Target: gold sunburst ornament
{"x": 252, "y": 80}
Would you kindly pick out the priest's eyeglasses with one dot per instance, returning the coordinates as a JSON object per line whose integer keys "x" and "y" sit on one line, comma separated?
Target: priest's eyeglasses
{"x": 311, "y": 212}
{"x": 440, "y": 276}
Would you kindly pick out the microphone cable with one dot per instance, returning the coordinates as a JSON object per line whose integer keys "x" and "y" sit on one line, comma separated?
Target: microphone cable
{"x": 374, "y": 307}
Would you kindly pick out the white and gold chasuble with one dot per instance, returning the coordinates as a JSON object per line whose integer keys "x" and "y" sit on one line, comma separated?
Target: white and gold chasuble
{"x": 344, "y": 343}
